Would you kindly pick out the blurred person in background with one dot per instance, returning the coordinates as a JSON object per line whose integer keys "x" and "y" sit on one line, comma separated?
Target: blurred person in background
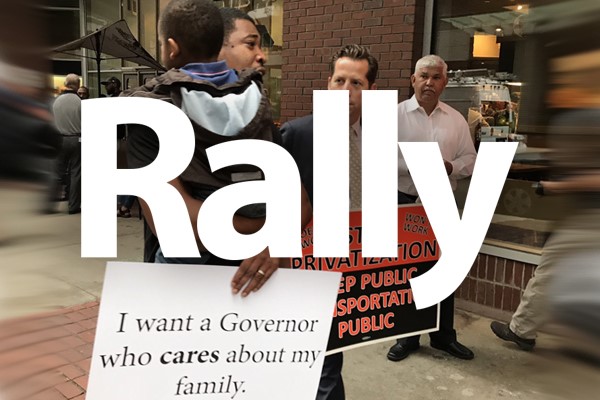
{"x": 27, "y": 138}
{"x": 574, "y": 298}
{"x": 566, "y": 293}
{"x": 124, "y": 202}
{"x": 83, "y": 92}
{"x": 67, "y": 117}
{"x": 28, "y": 144}
{"x": 112, "y": 86}
{"x": 566, "y": 284}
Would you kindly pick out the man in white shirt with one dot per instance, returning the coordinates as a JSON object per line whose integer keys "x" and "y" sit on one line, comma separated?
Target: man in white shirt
{"x": 423, "y": 118}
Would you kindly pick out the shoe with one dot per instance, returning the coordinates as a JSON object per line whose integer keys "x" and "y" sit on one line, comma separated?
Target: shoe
{"x": 123, "y": 212}
{"x": 77, "y": 211}
{"x": 455, "y": 349}
{"x": 503, "y": 331}
{"x": 401, "y": 350}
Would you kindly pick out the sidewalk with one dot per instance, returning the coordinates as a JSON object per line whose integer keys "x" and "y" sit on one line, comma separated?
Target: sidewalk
{"x": 47, "y": 357}
{"x": 49, "y": 305}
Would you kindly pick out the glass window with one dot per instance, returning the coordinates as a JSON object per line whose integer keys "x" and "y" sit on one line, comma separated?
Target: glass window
{"x": 163, "y": 3}
{"x": 60, "y": 3}
{"x": 68, "y": 20}
{"x": 148, "y": 21}
{"x": 130, "y": 14}
{"x": 499, "y": 55}
{"x": 101, "y": 13}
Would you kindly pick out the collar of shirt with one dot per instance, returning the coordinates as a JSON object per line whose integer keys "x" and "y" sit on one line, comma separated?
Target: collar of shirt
{"x": 413, "y": 105}
{"x": 357, "y": 130}
{"x": 215, "y": 72}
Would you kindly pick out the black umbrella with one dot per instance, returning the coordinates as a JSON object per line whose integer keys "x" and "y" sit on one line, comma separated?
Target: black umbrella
{"x": 115, "y": 40}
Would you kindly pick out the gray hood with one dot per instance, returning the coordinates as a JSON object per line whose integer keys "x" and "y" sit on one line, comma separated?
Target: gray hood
{"x": 225, "y": 115}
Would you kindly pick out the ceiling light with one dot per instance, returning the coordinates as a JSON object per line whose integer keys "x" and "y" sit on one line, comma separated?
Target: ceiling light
{"x": 519, "y": 8}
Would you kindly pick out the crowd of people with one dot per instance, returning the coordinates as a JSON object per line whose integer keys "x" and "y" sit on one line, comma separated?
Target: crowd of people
{"x": 201, "y": 55}
{"x": 211, "y": 53}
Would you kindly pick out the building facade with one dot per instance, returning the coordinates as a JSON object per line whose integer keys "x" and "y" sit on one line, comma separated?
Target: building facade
{"x": 315, "y": 29}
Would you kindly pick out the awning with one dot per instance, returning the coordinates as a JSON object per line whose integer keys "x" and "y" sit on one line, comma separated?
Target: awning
{"x": 116, "y": 41}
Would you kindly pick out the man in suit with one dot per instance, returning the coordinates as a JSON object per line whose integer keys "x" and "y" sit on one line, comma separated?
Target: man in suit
{"x": 352, "y": 68}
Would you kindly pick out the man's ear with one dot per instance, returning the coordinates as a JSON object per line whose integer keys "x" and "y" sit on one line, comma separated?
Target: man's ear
{"x": 328, "y": 82}
{"x": 173, "y": 48}
{"x": 373, "y": 87}
{"x": 413, "y": 78}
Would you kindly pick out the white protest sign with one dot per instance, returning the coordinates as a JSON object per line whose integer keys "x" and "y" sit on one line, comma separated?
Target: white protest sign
{"x": 176, "y": 332}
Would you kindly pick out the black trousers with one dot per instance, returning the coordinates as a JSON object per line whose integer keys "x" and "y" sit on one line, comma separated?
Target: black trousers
{"x": 331, "y": 385}
{"x": 447, "y": 333}
{"x": 69, "y": 159}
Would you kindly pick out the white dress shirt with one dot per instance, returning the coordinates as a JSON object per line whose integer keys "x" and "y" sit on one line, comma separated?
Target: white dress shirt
{"x": 444, "y": 125}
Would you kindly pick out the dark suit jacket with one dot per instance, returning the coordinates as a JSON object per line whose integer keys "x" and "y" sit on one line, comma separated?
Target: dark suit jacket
{"x": 297, "y": 136}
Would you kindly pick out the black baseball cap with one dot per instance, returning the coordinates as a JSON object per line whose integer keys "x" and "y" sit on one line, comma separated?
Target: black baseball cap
{"x": 112, "y": 79}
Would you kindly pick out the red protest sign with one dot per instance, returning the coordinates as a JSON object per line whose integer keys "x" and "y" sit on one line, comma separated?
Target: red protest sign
{"x": 374, "y": 298}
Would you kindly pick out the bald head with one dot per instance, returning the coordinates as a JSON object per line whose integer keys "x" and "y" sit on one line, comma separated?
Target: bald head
{"x": 72, "y": 82}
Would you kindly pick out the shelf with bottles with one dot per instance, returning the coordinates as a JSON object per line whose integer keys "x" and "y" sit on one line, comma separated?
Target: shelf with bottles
{"x": 499, "y": 115}
{"x": 495, "y": 121}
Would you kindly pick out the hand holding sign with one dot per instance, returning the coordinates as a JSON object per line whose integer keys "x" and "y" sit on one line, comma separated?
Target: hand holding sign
{"x": 254, "y": 272}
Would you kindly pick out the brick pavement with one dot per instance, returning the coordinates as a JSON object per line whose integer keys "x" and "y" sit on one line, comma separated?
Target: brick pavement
{"x": 47, "y": 356}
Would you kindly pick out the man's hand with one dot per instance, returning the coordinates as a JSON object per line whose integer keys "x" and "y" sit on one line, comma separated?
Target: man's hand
{"x": 449, "y": 167}
{"x": 585, "y": 182}
{"x": 254, "y": 272}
